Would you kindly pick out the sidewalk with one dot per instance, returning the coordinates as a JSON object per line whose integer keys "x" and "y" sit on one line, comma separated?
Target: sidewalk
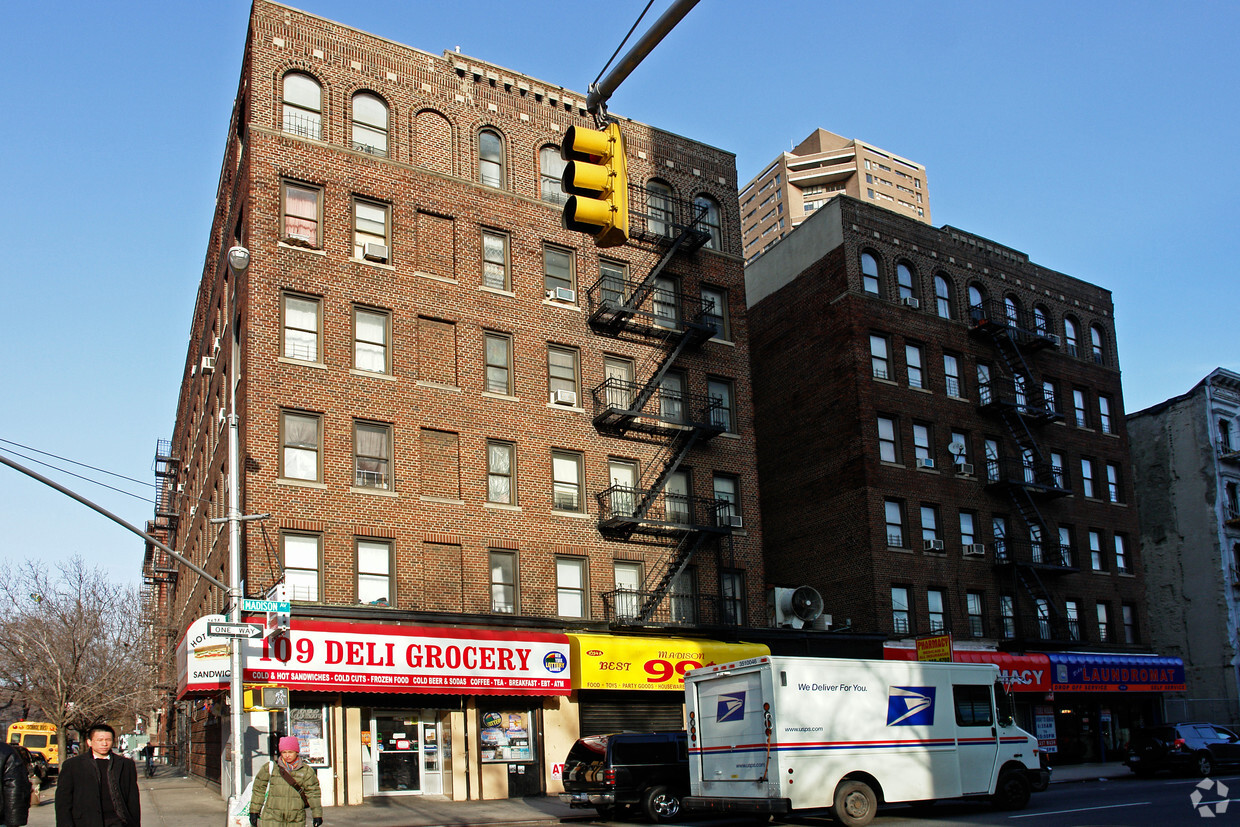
{"x": 179, "y": 801}
{"x": 1090, "y": 772}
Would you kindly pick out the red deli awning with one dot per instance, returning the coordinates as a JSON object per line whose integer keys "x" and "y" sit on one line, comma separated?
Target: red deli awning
{"x": 1021, "y": 673}
{"x": 339, "y": 656}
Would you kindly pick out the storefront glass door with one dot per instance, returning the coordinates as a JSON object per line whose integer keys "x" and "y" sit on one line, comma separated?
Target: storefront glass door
{"x": 396, "y": 752}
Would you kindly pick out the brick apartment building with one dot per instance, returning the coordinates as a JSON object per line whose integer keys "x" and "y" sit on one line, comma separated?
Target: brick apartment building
{"x": 1186, "y": 473}
{"x": 942, "y": 447}
{"x": 484, "y": 444}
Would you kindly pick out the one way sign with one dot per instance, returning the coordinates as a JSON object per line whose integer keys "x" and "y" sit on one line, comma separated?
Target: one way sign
{"x": 234, "y": 629}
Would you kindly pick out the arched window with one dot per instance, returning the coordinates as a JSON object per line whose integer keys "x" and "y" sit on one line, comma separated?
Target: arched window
{"x": 370, "y": 124}
{"x": 1095, "y": 343}
{"x": 977, "y": 303}
{"x": 1011, "y": 311}
{"x": 942, "y": 297}
{"x": 869, "y": 274}
{"x": 904, "y": 279}
{"x": 658, "y": 208}
{"x": 303, "y": 106}
{"x": 551, "y": 171}
{"x": 1041, "y": 321}
{"x": 490, "y": 158}
{"x": 1070, "y": 336}
{"x": 710, "y": 221}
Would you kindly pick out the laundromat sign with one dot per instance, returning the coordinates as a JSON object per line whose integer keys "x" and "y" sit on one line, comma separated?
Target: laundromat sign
{"x": 646, "y": 663}
{"x": 332, "y": 656}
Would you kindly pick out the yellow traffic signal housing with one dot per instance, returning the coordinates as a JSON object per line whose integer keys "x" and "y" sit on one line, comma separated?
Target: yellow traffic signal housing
{"x": 259, "y": 697}
{"x": 597, "y": 181}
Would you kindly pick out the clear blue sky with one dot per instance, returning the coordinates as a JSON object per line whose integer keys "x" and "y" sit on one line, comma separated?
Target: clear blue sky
{"x": 1098, "y": 137}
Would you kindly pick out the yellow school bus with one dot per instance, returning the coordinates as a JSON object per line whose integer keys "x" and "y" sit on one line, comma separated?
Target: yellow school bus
{"x": 39, "y": 737}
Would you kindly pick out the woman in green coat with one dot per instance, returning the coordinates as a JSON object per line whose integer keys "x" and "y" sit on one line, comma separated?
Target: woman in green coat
{"x": 277, "y": 802}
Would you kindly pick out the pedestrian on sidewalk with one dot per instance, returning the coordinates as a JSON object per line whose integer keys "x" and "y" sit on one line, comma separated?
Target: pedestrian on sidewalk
{"x": 284, "y": 789}
{"x": 98, "y": 788}
{"x": 15, "y": 776}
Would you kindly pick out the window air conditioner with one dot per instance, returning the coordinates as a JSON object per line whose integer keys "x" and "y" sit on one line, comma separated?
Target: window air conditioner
{"x": 925, "y": 462}
{"x": 215, "y": 346}
{"x": 1054, "y": 339}
{"x": 563, "y": 294}
{"x": 909, "y": 301}
{"x": 564, "y": 397}
{"x": 375, "y": 252}
{"x": 208, "y": 364}
{"x": 964, "y": 469}
{"x": 734, "y": 520}
{"x": 934, "y": 545}
{"x": 975, "y": 550}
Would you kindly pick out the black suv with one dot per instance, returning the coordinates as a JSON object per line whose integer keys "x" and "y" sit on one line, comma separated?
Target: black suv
{"x": 1191, "y": 747}
{"x": 611, "y": 772}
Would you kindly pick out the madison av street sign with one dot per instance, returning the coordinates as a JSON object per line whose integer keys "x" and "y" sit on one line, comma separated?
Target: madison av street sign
{"x": 234, "y": 629}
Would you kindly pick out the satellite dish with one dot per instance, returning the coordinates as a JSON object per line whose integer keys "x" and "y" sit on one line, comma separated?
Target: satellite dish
{"x": 957, "y": 449}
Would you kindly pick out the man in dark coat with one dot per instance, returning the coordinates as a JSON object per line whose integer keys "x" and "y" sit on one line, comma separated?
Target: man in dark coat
{"x": 15, "y": 776}
{"x": 98, "y": 788}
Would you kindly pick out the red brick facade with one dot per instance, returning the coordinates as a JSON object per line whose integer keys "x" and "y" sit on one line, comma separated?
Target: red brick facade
{"x": 820, "y": 393}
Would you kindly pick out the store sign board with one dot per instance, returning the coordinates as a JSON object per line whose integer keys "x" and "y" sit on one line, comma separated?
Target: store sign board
{"x": 648, "y": 663}
{"x": 338, "y": 656}
{"x": 1116, "y": 673}
{"x": 935, "y": 648}
{"x": 202, "y": 658}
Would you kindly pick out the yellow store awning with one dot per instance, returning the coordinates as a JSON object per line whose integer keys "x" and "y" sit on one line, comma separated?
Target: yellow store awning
{"x": 647, "y": 663}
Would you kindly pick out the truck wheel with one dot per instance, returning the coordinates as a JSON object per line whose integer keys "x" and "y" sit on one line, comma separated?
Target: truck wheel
{"x": 1204, "y": 764}
{"x": 855, "y": 803}
{"x": 661, "y": 804}
{"x": 1013, "y": 791}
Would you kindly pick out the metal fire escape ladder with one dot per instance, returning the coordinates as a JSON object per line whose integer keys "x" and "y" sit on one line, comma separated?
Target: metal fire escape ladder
{"x": 679, "y": 559}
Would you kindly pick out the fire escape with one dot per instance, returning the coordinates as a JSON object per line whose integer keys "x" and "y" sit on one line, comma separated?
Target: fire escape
{"x": 1015, "y": 396}
{"x": 159, "y": 572}
{"x": 649, "y": 407}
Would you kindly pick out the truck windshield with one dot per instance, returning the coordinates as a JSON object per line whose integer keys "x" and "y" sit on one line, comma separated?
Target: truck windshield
{"x": 1004, "y": 704}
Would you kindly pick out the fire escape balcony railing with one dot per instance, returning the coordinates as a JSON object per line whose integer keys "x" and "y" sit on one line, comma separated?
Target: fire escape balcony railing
{"x": 662, "y": 218}
{"x": 1227, "y": 453}
{"x": 627, "y": 308}
{"x": 619, "y": 408}
{"x": 993, "y": 315}
{"x": 1039, "y": 478}
{"x": 666, "y": 515}
{"x": 1040, "y": 630}
{"x": 1045, "y": 556}
{"x": 1004, "y": 393}
{"x": 623, "y": 607}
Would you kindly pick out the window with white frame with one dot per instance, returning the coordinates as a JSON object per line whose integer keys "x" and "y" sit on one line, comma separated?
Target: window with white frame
{"x": 1095, "y": 343}
{"x": 900, "y": 612}
{"x": 1043, "y": 608}
{"x": 503, "y": 582}
{"x": 1080, "y": 412}
{"x": 732, "y": 596}
{"x": 1070, "y": 337}
{"x": 936, "y": 616}
{"x": 300, "y": 456}
{"x": 303, "y": 106}
{"x": 1048, "y": 396}
{"x": 893, "y": 517}
{"x": 879, "y": 361}
{"x": 1073, "y": 617}
{"x": 929, "y": 523}
{"x": 869, "y": 274}
{"x": 658, "y": 208}
{"x": 974, "y": 608}
{"x": 672, "y": 396}
{"x": 951, "y": 376}
{"x": 1122, "y": 563}
{"x": 370, "y": 124}
{"x": 551, "y": 171}
{"x": 984, "y": 391}
{"x": 904, "y": 280}
{"x": 302, "y": 208}
{"x": 1057, "y": 466}
{"x": 490, "y": 158}
{"x": 912, "y": 357}
{"x": 301, "y": 565}
{"x": 715, "y": 311}
{"x": 942, "y": 297}
{"x": 501, "y": 472}
{"x": 1007, "y": 614}
{"x": 711, "y": 221}
{"x": 495, "y": 260}
{"x": 1095, "y": 550}
{"x": 371, "y": 332}
{"x": 968, "y": 534}
{"x": 370, "y": 231}
{"x": 566, "y": 481}
{"x": 570, "y": 587}
{"x": 562, "y": 375}
{"x": 665, "y": 302}
{"x": 1129, "y": 616}
{"x": 372, "y": 455}
{"x": 558, "y": 272}
{"x": 888, "y": 448}
{"x": 1104, "y": 414}
{"x": 374, "y": 572}
{"x": 998, "y": 530}
{"x": 1104, "y": 622}
{"x": 722, "y": 412}
{"x": 1087, "y": 477}
{"x": 991, "y": 448}
{"x": 497, "y": 352}
{"x": 922, "y": 448}
{"x": 628, "y": 597}
{"x": 727, "y": 498}
{"x": 1113, "y": 483}
{"x": 300, "y": 319}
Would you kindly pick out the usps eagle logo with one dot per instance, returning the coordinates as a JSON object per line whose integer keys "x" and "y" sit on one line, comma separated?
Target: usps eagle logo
{"x": 910, "y": 706}
{"x": 731, "y": 707}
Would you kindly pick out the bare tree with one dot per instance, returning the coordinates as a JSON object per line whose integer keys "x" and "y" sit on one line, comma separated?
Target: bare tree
{"x": 72, "y": 644}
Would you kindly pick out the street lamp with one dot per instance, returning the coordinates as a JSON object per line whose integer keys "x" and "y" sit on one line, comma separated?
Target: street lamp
{"x": 238, "y": 263}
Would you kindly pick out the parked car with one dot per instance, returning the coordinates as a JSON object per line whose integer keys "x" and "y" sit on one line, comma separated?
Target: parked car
{"x": 36, "y": 762}
{"x": 649, "y": 770}
{"x": 1189, "y": 747}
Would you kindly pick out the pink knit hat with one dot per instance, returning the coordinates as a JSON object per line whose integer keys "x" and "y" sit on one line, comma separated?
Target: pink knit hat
{"x": 290, "y": 742}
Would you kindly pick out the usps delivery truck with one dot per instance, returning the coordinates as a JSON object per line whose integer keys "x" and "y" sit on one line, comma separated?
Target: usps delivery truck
{"x": 777, "y": 734}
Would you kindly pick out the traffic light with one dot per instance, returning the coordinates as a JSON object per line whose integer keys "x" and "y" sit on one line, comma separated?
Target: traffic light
{"x": 597, "y": 180}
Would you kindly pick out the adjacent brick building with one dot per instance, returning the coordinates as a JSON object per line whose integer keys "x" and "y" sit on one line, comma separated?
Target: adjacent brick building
{"x": 1186, "y": 470}
{"x": 476, "y": 435}
{"x": 942, "y": 447}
